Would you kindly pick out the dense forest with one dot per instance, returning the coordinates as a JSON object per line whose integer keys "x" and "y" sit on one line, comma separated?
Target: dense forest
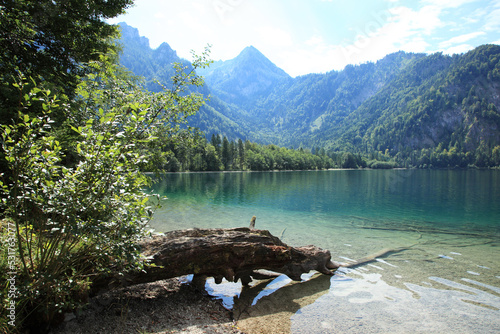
{"x": 222, "y": 154}
{"x": 424, "y": 111}
{"x": 442, "y": 112}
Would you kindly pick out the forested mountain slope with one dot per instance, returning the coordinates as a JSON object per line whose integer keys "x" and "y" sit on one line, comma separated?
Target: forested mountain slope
{"x": 301, "y": 109}
{"x": 141, "y": 60}
{"x": 421, "y": 109}
{"x": 156, "y": 66}
{"x": 442, "y": 108}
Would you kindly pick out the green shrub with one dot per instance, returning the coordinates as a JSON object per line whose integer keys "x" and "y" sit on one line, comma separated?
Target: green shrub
{"x": 75, "y": 223}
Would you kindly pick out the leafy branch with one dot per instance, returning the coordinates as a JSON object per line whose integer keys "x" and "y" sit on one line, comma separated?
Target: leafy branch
{"x": 80, "y": 221}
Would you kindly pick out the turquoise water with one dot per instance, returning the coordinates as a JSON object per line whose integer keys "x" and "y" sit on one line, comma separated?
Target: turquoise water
{"x": 446, "y": 224}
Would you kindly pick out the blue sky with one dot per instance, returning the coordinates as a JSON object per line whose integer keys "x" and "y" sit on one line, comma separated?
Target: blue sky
{"x": 311, "y": 36}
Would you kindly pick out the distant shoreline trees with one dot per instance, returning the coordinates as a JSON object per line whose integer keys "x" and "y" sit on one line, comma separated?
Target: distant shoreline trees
{"x": 195, "y": 153}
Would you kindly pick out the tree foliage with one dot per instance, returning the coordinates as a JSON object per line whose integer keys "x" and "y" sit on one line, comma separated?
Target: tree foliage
{"x": 72, "y": 223}
{"x": 51, "y": 39}
{"x": 75, "y": 222}
{"x": 50, "y": 42}
{"x": 220, "y": 153}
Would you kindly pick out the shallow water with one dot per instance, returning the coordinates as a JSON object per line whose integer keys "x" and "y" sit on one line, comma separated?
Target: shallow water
{"x": 445, "y": 224}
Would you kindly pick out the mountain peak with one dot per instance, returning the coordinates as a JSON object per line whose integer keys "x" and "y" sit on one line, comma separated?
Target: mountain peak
{"x": 253, "y": 54}
{"x": 245, "y": 77}
{"x": 250, "y": 50}
{"x": 251, "y": 59}
{"x": 165, "y": 51}
{"x": 130, "y": 33}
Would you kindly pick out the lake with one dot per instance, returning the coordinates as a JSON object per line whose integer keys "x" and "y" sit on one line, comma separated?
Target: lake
{"x": 445, "y": 225}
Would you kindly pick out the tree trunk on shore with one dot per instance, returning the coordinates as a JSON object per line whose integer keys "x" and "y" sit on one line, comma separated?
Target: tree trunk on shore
{"x": 232, "y": 254}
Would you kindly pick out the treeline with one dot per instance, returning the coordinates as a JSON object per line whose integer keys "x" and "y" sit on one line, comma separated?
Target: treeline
{"x": 440, "y": 157}
{"x": 197, "y": 153}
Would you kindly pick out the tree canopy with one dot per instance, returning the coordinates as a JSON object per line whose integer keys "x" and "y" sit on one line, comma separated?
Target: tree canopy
{"x": 51, "y": 40}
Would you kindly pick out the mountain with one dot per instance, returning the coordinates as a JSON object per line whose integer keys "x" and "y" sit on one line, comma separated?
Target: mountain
{"x": 299, "y": 110}
{"x": 244, "y": 79}
{"x": 419, "y": 109}
{"x": 141, "y": 60}
{"x": 439, "y": 103}
{"x": 157, "y": 65}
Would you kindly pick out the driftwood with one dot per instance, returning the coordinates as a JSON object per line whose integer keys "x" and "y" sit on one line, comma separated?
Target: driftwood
{"x": 234, "y": 254}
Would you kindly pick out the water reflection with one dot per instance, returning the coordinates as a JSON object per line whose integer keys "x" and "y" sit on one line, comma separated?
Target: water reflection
{"x": 445, "y": 199}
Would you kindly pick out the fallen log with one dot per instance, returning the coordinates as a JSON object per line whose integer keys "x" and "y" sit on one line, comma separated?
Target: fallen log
{"x": 234, "y": 254}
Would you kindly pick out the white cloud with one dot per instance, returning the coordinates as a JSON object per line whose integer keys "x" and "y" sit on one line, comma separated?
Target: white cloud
{"x": 318, "y": 59}
{"x": 493, "y": 20}
{"x": 447, "y": 3}
{"x": 477, "y": 15}
{"x": 315, "y": 40}
{"x": 462, "y": 48}
{"x": 417, "y": 45}
{"x": 409, "y": 22}
{"x": 159, "y": 15}
{"x": 402, "y": 30}
{"x": 410, "y": 30}
{"x": 460, "y": 39}
{"x": 397, "y": 28}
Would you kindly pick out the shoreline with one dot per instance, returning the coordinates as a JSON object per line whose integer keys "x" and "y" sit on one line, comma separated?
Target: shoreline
{"x": 166, "y": 306}
{"x": 172, "y": 306}
{"x": 263, "y": 171}
{"x": 320, "y": 170}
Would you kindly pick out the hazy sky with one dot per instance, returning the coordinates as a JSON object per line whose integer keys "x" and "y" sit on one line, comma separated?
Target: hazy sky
{"x": 305, "y": 36}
